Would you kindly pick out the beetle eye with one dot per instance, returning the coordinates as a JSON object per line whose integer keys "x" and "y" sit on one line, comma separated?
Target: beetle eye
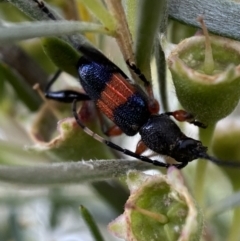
{"x": 187, "y": 143}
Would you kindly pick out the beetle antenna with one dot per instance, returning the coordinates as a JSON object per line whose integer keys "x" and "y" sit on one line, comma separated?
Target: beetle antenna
{"x": 45, "y": 9}
{"x": 220, "y": 162}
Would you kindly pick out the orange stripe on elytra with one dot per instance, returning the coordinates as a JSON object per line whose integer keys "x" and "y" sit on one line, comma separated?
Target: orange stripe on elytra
{"x": 116, "y": 92}
{"x": 105, "y": 109}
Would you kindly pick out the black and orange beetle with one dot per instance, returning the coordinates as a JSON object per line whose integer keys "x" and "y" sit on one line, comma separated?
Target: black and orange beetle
{"x": 131, "y": 109}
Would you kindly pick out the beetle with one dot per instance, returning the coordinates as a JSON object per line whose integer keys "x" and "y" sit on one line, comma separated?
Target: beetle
{"x": 131, "y": 110}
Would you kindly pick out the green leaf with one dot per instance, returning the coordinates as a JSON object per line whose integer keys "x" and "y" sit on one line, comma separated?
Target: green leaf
{"x": 98, "y": 9}
{"x": 221, "y": 20}
{"x": 91, "y": 224}
{"x": 62, "y": 54}
{"x": 24, "y": 92}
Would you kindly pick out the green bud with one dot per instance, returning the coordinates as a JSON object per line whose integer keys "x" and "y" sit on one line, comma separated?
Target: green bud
{"x": 71, "y": 142}
{"x": 159, "y": 208}
{"x": 209, "y": 93}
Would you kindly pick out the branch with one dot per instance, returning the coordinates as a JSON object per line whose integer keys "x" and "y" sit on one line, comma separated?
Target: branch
{"x": 22, "y": 31}
{"x": 71, "y": 172}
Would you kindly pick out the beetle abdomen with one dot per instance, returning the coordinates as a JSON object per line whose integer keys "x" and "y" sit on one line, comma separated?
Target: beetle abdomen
{"x": 120, "y": 101}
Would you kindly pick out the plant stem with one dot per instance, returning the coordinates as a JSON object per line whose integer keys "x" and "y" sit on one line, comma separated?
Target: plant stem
{"x": 123, "y": 36}
{"x": 234, "y": 232}
{"x": 206, "y": 137}
{"x": 70, "y": 172}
